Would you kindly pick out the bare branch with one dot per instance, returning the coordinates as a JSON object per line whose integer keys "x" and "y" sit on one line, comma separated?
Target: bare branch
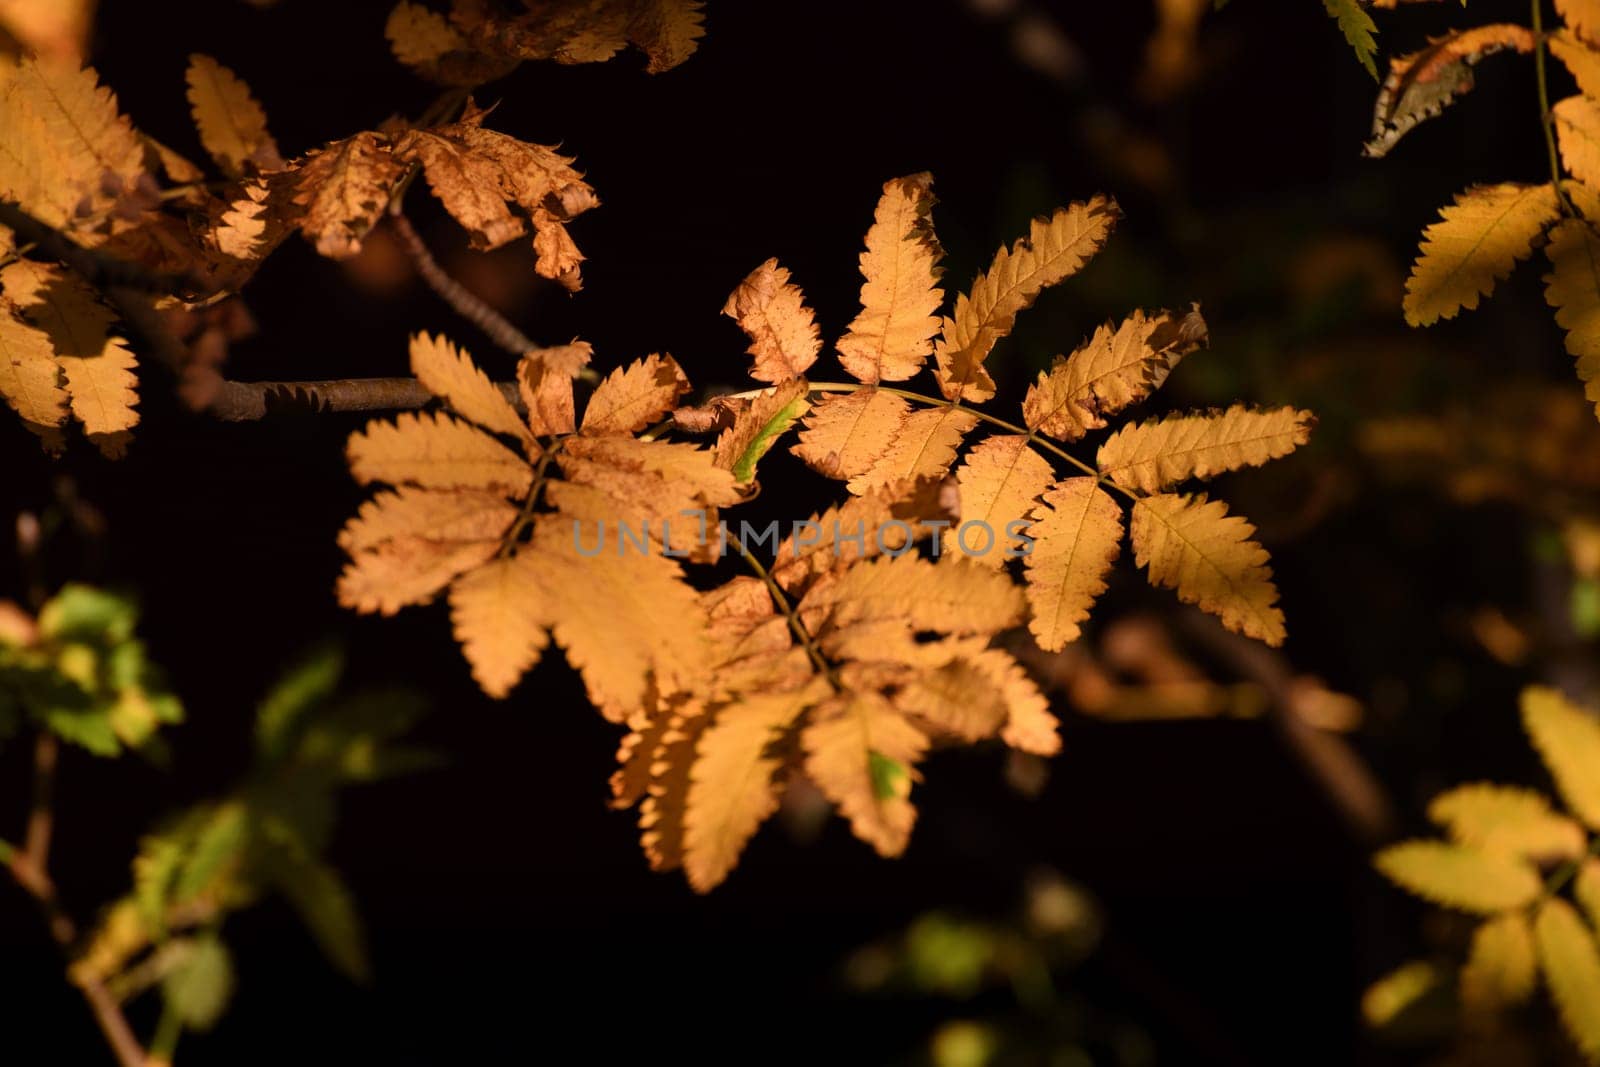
{"x": 466, "y": 303}
{"x": 248, "y": 401}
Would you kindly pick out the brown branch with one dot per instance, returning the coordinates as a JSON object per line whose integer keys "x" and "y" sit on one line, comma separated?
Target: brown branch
{"x": 466, "y": 303}
{"x": 249, "y": 401}
{"x": 30, "y": 866}
{"x": 1334, "y": 764}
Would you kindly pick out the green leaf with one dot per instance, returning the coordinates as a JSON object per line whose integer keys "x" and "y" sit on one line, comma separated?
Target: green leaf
{"x": 302, "y": 688}
{"x": 82, "y": 614}
{"x": 324, "y": 904}
{"x": 1358, "y": 29}
{"x": 218, "y": 844}
{"x": 1460, "y": 877}
{"x": 744, "y": 467}
{"x": 199, "y": 987}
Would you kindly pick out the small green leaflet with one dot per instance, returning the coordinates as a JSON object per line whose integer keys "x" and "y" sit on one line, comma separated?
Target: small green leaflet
{"x": 1358, "y": 29}
{"x": 890, "y": 779}
{"x": 744, "y": 468}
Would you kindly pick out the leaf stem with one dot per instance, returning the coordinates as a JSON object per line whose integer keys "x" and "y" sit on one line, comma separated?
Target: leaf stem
{"x": 1546, "y": 119}
{"x": 797, "y": 625}
{"x": 1034, "y": 440}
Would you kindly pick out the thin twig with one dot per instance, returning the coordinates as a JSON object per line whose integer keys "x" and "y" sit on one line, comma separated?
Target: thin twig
{"x": 30, "y": 866}
{"x": 466, "y": 303}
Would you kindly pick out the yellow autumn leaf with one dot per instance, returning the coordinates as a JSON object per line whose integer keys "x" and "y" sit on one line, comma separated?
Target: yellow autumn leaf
{"x": 449, "y": 374}
{"x": 862, "y": 754}
{"x": 1115, "y": 368}
{"x": 1573, "y": 288}
{"x": 925, "y": 445}
{"x": 232, "y": 126}
{"x": 66, "y": 148}
{"x": 757, "y": 425}
{"x": 1477, "y": 241}
{"x": 732, "y": 786}
{"x": 1581, "y": 16}
{"x": 479, "y": 174}
{"x": 1500, "y": 818}
{"x": 30, "y": 381}
{"x": 1077, "y": 533}
{"x": 999, "y": 480}
{"x": 1152, "y": 456}
{"x": 635, "y": 396}
{"x": 435, "y": 451}
{"x": 96, "y": 365}
{"x": 621, "y": 617}
{"x": 1423, "y": 83}
{"x": 1386, "y": 999}
{"x": 846, "y": 433}
{"x": 403, "y": 571}
{"x": 1192, "y": 545}
{"x": 1582, "y": 60}
{"x": 1577, "y": 121}
{"x": 501, "y": 621}
{"x": 1056, "y": 248}
{"x": 1570, "y": 962}
{"x": 1459, "y": 877}
{"x": 343, "y": 189}
{"x": 429, "y": 514}
{"x": 1568, "y": 739}
{"x": 772, "y": 312}
{"x": 1501, "y": 970}
{"x": 950, "y": 596}
{"x": 546, "y": 390}
{"x": 892, "y": 336}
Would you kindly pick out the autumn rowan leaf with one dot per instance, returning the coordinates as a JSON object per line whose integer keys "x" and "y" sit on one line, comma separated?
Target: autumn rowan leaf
{"x": 1581, "y": 59}
{"x": 96, "y": 365}
{"x": 1077, "y": 533}
{"x": 501, "y": 621}
{"x": 862, "y": 754}
{"x": 343, "y": 189}
{"x": 731, "y": 785}
{"x": 1581, "y": 16}
{"x": 846, "y": 433}
{"x": 999, "y": 481}
{"x": 893, "y": 334}
{"x": 757, "y": 425}
{"x": 1568, "y": 739}
{"x": 951, "y": 596}
{"x": 1421, "y": 84}
{"x": 1577, "y": 122}
{"x": 1573, "y": 288}
{"x": 924, "y": 445}
{"x": 435, "y": 451}
{"x": 233, "y": 127}
{"x": 449, "y": 373}
{"x": 429, "y": 514}
{"x": 1478, "y": 240}
{"x": 1192, "y": 545}
{"x": 30, "y": 380}
{"x": 771, "y": 310}
{"x": 632, "y": 398}
{"x": 1153, "y": 456}
{"x": 1501, "y": 970}
{"x": 427, "y": 43}
{"x": 1498, "y": 818}
{"x": 67, "y": 150}
{"x": 546, "y": 391}
{"x": 1056, "y": 248}
{"x": 1115, "y": 368}
{"x": 479, "y": 174}
{"x": 1460, "y": 877}
{"x": 1570, "y": 963}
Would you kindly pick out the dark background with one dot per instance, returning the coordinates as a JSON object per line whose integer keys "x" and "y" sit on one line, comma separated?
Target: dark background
{"x": 511, "y": 915}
